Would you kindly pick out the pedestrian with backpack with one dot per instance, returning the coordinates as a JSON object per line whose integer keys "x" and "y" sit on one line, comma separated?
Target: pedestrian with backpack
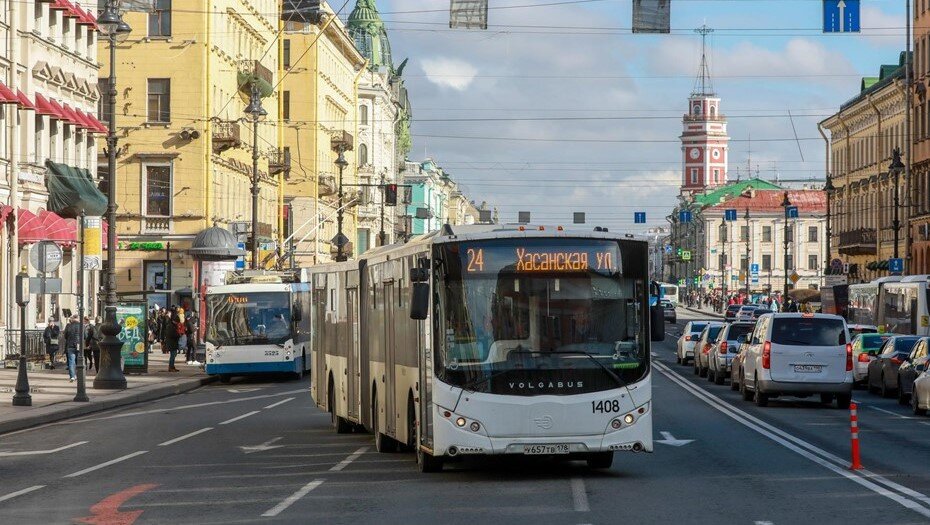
{"x": 50, "y": 337}
{"x": 174, "y": 330}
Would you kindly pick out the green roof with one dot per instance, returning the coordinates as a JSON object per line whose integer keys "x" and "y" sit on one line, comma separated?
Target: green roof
{"x": 711, "y": 197}
{"x": 367, "y": 30}
{"x": 868, "y": 82}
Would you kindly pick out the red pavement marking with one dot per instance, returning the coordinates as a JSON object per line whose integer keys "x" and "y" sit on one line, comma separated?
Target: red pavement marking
{"x": 107, "y": 511}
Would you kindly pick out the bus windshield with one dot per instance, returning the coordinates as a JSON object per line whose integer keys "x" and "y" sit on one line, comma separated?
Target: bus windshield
{"x": 540, "y": 316}
{"x": 248, "y": 318}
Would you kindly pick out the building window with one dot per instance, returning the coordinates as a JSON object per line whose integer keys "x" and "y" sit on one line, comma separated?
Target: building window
{"x": 66, "y": 145}
{"x": 767, "y": 262}
{"x": 159, "y": 100}
{"x": 286, "y": 59}
{"x": 156, "y": 275}
{"x": 362, "y": 155}
{"x": 789, "y": 262}
{"x": 53, "y": 139}
{"x": 812, "y": 262}
{"x": 744, "y": 233}
{"x": 716, "y": 174}
{"x": 156, "y": 181}
{"x": 766, "y": 234}
{"x": 694, "y": 176}
{"x": 40, "y": 131}
{"x": 160, "y": 19}
{"x": 812, "y": 233}
{"x": 39, "y": 9}
{"x": 363, "y": 114}
{"x": 286, "y": 105}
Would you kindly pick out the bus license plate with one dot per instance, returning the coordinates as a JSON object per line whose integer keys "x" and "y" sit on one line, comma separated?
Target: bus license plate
{"x": 543, "y": 450}
{"x": 807, "y": 369}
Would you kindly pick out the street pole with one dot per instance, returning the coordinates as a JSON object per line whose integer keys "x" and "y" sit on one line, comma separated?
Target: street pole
{"x": 828, "y": 258}
{"x": 381, "y": 236}
{"x": 256, "y": 110}
{"x": 110, "y": 374}
{"x": 786, "y": 203}
{"x": 340, "y": 245}
{"x": 909, "y": 104}
{"x": 748, "y": 259}
{"x": 723, "y": 266}
{"x": 22, "y": 397}
{"x": 896, "y": 171}
{"x": 81, "y": 395}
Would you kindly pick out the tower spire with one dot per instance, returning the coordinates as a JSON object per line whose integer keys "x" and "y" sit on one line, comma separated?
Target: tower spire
{"x": 703, "y": 84}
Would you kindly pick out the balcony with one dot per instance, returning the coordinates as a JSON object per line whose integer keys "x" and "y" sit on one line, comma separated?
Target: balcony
{"x": 226, "y": 135}
{"x": 858, "y": 242}
{"x": 279, "y": 161}
{"x": 156, "y": 225}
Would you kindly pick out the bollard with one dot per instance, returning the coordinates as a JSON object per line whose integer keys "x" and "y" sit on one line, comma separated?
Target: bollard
{"x": 854, "y": 430}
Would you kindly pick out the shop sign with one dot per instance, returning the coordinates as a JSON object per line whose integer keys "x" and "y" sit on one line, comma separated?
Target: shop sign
{"x": 132, "y": 320}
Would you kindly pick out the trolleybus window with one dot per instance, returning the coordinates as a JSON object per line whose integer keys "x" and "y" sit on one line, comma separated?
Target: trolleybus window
{"x": 555, "y": 316}
{"x": 248, "y": 318}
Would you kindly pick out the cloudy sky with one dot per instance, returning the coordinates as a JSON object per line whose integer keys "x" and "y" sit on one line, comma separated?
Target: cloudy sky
{"x": 558, "y": 108}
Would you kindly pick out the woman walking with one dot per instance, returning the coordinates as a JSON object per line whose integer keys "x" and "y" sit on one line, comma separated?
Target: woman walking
{"x": 50, "y": 338}
{"x": 172, "y": 333}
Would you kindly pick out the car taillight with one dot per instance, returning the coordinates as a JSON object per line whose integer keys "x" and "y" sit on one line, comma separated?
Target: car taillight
{"x": 863, "y": 358}
{"x": 849, "y": 365}
{"x": 706, "y": 348}
{"x": 687, "y": 338}
{"x": 723, "y": 348}
{"x": 897, "y": 360}
{"x": 767, "y": 355}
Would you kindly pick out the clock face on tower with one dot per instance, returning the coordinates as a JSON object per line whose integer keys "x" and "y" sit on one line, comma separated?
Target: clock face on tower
{"x": 695, "y": 153}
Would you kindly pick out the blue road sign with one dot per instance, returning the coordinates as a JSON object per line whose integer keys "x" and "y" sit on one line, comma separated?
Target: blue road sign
{"x": 896, "y": 265}
{"x": 240, "y": 261}
{"x": 685, "y": 217}
{"x": 841, "y": 16}
{"x": 754, "y": 269}
{"x": 791, "y": 212}
{"x": 729, "y": 215}
{"x": 668, "y": 248}
{"x": 639, "y": 217}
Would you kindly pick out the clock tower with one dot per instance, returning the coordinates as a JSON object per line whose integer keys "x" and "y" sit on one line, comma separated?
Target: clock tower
{"x": 704, "y": 140}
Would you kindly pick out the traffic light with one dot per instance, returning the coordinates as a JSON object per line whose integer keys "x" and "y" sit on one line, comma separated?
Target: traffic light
{"x": 390, "y": 195}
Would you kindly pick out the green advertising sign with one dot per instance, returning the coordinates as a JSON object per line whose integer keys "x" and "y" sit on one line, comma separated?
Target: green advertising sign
{"x": 132, "y": 319}
{"x": 685, "y": 255}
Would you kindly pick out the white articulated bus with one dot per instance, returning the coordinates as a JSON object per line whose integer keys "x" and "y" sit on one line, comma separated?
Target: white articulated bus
{"x": 864, "y": 300}
{"x": 903, "y": 306}
{"x": 670, "y": 292}
{"x": 490, "y": 340}
{"x": 256, "y": 324}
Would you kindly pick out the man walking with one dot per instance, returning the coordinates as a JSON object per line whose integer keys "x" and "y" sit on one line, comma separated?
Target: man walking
{"x": 50, "y": 337}
{"x": 72, "y": 348}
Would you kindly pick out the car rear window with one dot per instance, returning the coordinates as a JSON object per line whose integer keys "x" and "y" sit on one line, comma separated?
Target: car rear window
{"x": 905, "y": 345}
{"x": 713, "y": 333}
{"x": 808, "y": 331}
{"x": 697, "y": 328}
{"x": 733, "y": 307}
{"x": 874, "y": 342}
{"x": 857, "y": 331}
{"x": 737, "y": 330}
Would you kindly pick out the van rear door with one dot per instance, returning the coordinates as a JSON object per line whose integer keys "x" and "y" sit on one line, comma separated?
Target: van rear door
{"x": 808, "y": 349}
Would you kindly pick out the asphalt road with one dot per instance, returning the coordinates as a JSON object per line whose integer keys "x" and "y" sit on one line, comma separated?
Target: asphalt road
{"x": 259, "y": 451}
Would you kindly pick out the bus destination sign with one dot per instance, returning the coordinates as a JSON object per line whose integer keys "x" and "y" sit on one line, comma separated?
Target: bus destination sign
{"x": 596, "y": 258}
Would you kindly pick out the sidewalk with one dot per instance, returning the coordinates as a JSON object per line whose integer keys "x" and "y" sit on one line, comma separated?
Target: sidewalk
{"x": 709, "y": 312}
{"x": 53, "y": 394}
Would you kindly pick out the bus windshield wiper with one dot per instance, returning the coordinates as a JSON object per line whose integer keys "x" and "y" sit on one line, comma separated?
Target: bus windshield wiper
{"x": 470, "y": 386}
{"x": 591, "y": 356}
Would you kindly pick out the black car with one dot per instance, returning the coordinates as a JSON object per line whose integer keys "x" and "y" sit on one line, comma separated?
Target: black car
{"x": 912, "y": 367}
{"x": 730, "y": 313}
{"x": 669, "y": 310}
{"x": 883, "y": 370}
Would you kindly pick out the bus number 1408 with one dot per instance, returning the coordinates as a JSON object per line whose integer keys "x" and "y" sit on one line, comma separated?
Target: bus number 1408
{"x": 605, "y": 407}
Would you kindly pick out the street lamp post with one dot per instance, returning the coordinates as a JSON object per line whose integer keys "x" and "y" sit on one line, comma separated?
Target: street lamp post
{"x": 895, "y": 169}
{"x": 748, "y": 251}
{"x": 786, "y": 203}
{"x": 22, "y": 397}
{"x": 341, "y": 162}
{"x": 81, "y": 394}
{"x": 829, "y": 189}
{"x": 110, "y": 374}
{"x": 256, "y": 111}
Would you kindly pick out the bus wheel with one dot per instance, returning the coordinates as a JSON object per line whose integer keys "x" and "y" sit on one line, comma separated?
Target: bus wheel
{"x": 427, "y": 463}
{"x": 225, "y": 378}
{"x": 601, "y": 460}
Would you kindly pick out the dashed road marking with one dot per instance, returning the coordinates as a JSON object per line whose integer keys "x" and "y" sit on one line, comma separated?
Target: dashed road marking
{"x": 579, "y": 496}
{"x": 39, "y": 452}
{"x": 12, "y": 495}
{"x": 280, "y": 402}
{"x": 185, "y": 436}
{"x": 352, "y": 457}
{"x": 237, "y": 418}
{"x": 895, "y": 414}
{"x": 106, "y": 464}
{"x": 290, "y": 500}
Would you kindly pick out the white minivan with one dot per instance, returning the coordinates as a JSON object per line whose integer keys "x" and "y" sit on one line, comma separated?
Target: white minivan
{"x": 799, "y": 355}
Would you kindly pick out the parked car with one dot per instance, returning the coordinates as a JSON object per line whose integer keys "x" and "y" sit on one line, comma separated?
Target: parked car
{"x": 704, "y": 346}
{"x": 911, "y": 368}
{"x": 688, "y": 337}
{"x": 865, "y": 347}
{"x": 758, "y": 312}
{"x": 883, "y": 370}
{"x": 725, "y": 349}
{"x": 736, "y": 366}
{"x": 730, "y": 313}
{"x": 920, "y": 396}
{"x": 856, "y": 329}
{"x": 745, "y": 312}
{"x": 799, "y": 355}
{"x": 668, "y": 308}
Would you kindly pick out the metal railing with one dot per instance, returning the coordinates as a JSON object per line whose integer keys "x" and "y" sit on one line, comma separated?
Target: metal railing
{"x": 35, "y": 346}
{"x": 225, "y": 135}
{"x": 858, "y": 242}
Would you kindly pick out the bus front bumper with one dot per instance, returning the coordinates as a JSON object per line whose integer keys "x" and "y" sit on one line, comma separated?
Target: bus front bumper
{"x": 252, "y": 368}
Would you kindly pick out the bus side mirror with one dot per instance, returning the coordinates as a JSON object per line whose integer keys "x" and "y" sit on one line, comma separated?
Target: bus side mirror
{"x": 657, "y": 323}
{"x": 419, "y": 301}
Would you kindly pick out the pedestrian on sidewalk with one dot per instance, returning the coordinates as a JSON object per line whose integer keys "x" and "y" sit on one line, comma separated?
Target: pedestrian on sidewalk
{"x": 88, "y": 341}
{"x": 95, "y": 342}
{"x": 72, "y": 336}
{"x": 191, "y": 332}
{"x": 174, "y": 329}
{"x": 50, "y": 337}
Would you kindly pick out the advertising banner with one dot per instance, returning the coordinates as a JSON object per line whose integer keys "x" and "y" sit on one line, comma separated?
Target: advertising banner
{"x": 93, "y": 243}
{"x": 468, "y": 14}
{"x": 651, "y": 16}
{"x": 132, "y": 318}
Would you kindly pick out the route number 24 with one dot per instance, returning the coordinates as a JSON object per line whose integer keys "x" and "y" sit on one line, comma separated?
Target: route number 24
{"x": 607, "y": 406}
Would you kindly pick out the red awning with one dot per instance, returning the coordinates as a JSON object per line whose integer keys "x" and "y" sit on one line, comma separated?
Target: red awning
{"x": 29, "y": 226}
{"x": 98, "y": 126}
{"x": 59, "y": 111}
{"x": 62, "y": 5}
{"x": 7, "y": 96}
{"x": 5, "y": 212}
{"x": 24, "y": 100}
{"x": 72, "y": 116}
{"x": 44, "y": 107}
{"x": 83, "y": 119}
{"x": 57, "y": 228}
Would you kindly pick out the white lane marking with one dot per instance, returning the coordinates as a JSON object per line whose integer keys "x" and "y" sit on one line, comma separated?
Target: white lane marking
{"x": 764, "y": 523}
{"x": 185, "y": 436}
{"x": 106, "y": 464}
{"x": 38, "y": 452}
{"x": 290, "y": 500}
{"x": 579, "y": 496}
{"x": 352, "y": 457}
{"x": 263, "y": 447}
{"x": 280, "y": 402}
{"x": 864, "y": 478}
{"x": 237, "y": 418}
{"x": 669, "y": 439}
{"x": 895, "y": 414}
{"x": 12, "y": 495}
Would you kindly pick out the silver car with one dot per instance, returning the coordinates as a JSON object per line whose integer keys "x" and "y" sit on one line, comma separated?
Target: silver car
{"x": 920, "y": 397}
{"x": 689, "y": 335}
{"x": 725, "y": 349}
{"x": 704, "y": 346}
{"x": 798, "y": 355}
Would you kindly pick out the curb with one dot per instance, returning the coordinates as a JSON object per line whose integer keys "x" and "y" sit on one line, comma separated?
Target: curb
{"x": 69, "y": 409}
{"x": 702, "y": 312}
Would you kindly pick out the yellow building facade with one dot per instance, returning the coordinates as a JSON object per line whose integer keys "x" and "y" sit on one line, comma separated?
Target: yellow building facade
{"x": 185, "y": 143}
{"x": 319, "y": 107}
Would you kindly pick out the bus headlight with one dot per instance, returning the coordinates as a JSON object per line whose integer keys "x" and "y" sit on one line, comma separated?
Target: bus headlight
{"x": 628, "y": 419}
{"x": 460, "y": 422}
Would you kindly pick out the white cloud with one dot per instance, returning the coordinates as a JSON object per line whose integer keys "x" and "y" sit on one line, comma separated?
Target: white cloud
{"x": 882, "y": 28}
{"x": 449, "y": 72}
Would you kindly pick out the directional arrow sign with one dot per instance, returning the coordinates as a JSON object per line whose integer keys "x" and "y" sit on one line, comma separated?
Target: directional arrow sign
{"x": 263, "y": 447}
{"x": 841, "y": 16}
{"x": 669, "y": 439}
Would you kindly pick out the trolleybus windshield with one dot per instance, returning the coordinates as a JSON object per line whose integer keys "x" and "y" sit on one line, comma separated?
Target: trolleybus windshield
{"x": 540, "y": 316}
{"x": 248, "y": 318}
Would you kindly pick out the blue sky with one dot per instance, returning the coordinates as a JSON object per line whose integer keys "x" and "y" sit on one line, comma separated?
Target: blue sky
{"x": 556, "y": 95}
